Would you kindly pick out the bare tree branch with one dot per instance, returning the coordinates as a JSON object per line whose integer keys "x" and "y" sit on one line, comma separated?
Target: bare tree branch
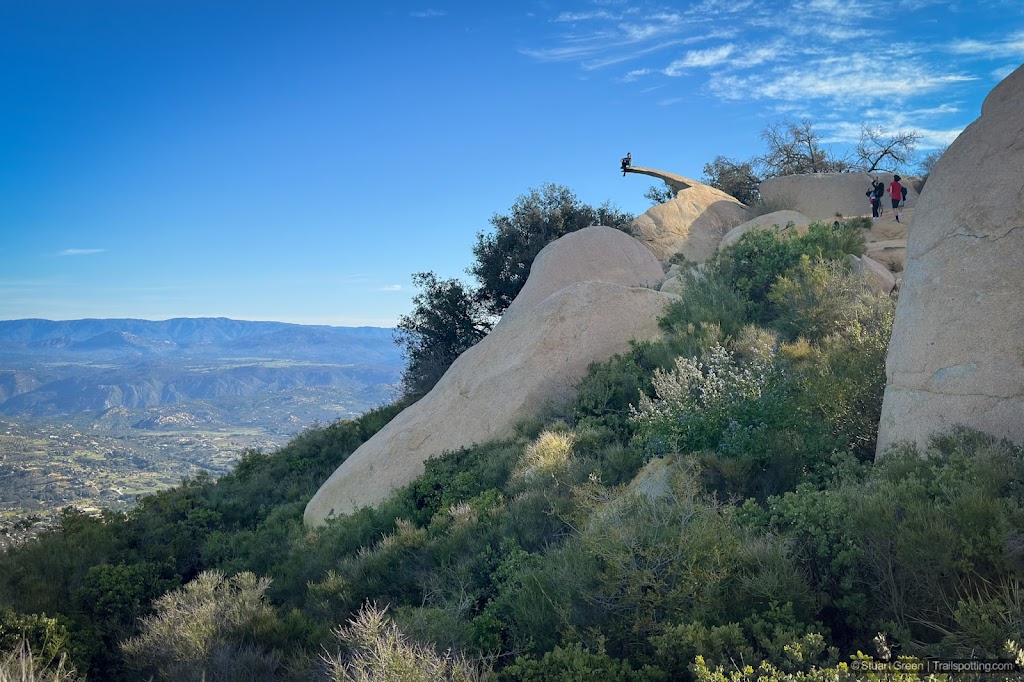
{"x": 795, "y": 148}
{"x": 879, "y": 150}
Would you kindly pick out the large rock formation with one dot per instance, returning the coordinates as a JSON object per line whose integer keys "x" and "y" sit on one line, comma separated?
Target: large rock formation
{"x": 819, "y": 196}
{"x": 596, "y": 254}
{"x": 693, "y": 223}
{"x": 957, "y": 350}
{"x": 531, "y": 360}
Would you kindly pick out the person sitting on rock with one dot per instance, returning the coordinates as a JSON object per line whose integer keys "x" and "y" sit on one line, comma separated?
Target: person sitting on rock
{"x": 627, "y": 161}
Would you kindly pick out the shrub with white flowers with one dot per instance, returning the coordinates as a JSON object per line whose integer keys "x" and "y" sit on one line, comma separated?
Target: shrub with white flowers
{"x": 699, "y": 400}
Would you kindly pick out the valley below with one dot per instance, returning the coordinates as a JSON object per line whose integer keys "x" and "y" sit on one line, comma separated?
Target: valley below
{"x": 94, "y": 413}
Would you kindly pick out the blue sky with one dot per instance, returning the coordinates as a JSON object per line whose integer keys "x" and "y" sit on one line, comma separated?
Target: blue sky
{"x": 299, "y": 160}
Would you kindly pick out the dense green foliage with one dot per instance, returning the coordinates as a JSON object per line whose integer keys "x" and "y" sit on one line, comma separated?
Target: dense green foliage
{"x": 659, "y": 194}
{"x": 708, "y": 508}
{"x": 503, "y": 256}
{"x": 450, "y": 316}
{"x": 446, "y": 320}
{"x": 737, "y": 178}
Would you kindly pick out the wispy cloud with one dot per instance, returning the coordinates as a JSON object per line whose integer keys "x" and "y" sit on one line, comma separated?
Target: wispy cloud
{"x": 1002, "y": 72}
{"x": 839, "y": 9}
{"x": 839, "y": 63}
{"x": 391, "y": 287}
{"x": 1012, "y": 46}
{"x": 720, "y": 7}
{"x": 699, "y": 58}
{"x": 586, "y": 16}
{"x": 428, "y": 14}
{"x": 654, "y": 26}
{"x": 635, "y": 74}
{"x": 850, "y": 78}
{"x": 80, "y": 252}
{"x": 939, "y": 110}
{"x": 756, "y": 56}
{"x": 936, "y": 139}
{"x": 578, "y": 50}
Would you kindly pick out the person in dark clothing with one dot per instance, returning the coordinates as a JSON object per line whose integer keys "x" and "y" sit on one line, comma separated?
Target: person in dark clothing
{"x": 875, "y": 194}
{"x": 627, "y": 161}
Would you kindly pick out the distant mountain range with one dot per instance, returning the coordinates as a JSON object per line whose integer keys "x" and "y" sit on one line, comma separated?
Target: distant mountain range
{"x": 53, "y": 368}
{"x": 218, "y": 336}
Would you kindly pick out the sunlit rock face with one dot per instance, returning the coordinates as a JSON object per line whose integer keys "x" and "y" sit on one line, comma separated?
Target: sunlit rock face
{"x": 692, "y": 224}
{"x": 586, "y": 297}
{"x": 957, "y": 352}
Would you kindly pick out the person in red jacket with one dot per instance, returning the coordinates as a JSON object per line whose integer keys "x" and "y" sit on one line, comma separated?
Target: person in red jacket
{"x": 896, "y": 194}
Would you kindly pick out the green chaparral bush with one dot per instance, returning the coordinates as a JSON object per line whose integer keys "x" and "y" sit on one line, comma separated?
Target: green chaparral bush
{"x": 37, "y": 641}
{"x": 816, "y": 299}
{"x": 709, "y": 309}
{"x": 649, "y": 557}
{"x": 835, "y": 241}
{"x": 528, "y": 609}
{"x": 574, "y": 663}
{"x": 460, "y": 475}
{"x": 604, "y": 395}
{"x": 683, "y": 651}
{"x": 758, "y": 258}
{"x": 110, "y": 602}
{"x": 856, "y": 670}
{"x": 842, "y": 377}
{"x": 742, "y": 416}
{"x": 699, "y": 400}
{"x": 926, "y": 549}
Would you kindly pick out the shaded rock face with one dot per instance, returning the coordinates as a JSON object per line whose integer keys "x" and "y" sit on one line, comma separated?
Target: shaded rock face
{"x": 819, "y": 196}
{"x": 530, "y": 361}
{"x": 765, "y": 222}
{"x": 957, "y": 350}
{"x": 693, "y": 223}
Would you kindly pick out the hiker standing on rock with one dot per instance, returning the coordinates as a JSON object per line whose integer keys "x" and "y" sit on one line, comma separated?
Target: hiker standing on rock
{"x": 875, "y": 194}
{"x": 627, "y": 161}
{"x": 896, "y": 194}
